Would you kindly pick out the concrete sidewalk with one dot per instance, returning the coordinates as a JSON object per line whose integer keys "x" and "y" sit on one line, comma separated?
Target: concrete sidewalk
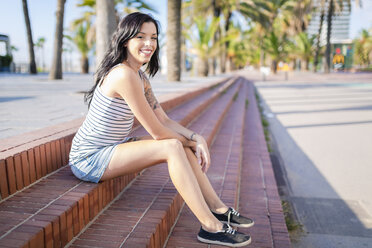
{"x": 322, "y": 127}
{"x": 32, "y": 102}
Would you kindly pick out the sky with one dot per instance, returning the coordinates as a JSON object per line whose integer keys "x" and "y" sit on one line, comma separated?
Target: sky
{"x": 42, "y": 16}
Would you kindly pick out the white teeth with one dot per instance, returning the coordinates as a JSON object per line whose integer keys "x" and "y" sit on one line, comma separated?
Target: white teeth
{"x": 146, "y": 51}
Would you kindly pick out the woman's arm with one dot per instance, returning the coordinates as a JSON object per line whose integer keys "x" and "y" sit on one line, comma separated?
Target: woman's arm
{"x": 201, "y": 147}
{"x": 129, "y": 86}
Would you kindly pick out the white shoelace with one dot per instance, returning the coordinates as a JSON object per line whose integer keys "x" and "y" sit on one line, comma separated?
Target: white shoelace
{"x": 232, "y": 212}
{"x": 230, "y": 230}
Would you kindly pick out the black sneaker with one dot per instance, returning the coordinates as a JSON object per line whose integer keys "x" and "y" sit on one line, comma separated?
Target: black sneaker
{"x": 233, "y": 218}
{"x": 227, "y": 236}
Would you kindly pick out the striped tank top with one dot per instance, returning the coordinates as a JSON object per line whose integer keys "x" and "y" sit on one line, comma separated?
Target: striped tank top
{"x": 109, "y": 121}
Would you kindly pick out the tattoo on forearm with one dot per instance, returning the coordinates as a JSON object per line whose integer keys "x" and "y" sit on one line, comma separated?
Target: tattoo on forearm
{"x": 149, "y": 94}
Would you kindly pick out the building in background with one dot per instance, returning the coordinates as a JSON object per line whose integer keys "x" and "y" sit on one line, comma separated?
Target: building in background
{"x": 340, "y": 37}
{"x": 6, "y": 57}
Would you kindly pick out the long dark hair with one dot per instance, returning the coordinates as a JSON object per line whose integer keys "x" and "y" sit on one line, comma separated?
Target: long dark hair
{"x": 127, "y": 29}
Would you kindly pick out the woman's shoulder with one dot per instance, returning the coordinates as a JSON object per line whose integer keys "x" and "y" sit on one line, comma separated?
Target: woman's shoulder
{"x": 120, "y": 72}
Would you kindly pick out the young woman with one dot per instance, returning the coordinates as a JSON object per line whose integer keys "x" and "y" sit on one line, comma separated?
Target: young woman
{"x": 102, "y": 148}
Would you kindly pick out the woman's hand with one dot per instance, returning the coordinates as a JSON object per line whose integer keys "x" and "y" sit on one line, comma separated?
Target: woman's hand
{"x": 202, "y": 152}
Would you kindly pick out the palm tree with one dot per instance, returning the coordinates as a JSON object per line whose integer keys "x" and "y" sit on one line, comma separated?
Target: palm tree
{"x": 317, "y": 50}
{"x": 253, "y": 45}
{"x": 303, "y": 48}
{"x": 216, "y": 13}
{"x": 276, "y": 44}
{"x": 201, "y": 42}
{"x": 297, "y": 15}
{"x": 363, "y": 48}
{"x": 239, "y": 49}
{"x": 81, "y": 39}
{"x": 330, "y": 14}
{"x": 216, "y": 8}
{"x": 228, "y": 7}
{"x": 174, "y": 41}
{"x": 191, "y": 9}
{"x": 56, "y": 69}
{"x": 258, "y": 12}
{"x": 40, "y": 44}
{"x": 30, "y": 42}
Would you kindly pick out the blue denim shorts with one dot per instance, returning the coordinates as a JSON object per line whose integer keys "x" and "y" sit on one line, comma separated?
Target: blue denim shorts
{"x": 92, "y": 167}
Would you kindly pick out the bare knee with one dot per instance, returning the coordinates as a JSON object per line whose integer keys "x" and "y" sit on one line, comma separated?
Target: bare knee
{"x": 173, "y": 148}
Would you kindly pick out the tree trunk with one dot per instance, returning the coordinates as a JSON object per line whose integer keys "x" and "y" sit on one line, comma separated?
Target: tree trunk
{"x": 229, "y": 64}
{"x": 31, "y": 53}
{"x": 183, "y": 54}
{"x": 307, "y": 65}
{"x": 262, "y": 54}
{"x": 43, "y": 58}
{"x": 106, "y": 24}
{"x": 274, "y": 65}
{"x": 216, "y": 13}
{"x": 202, "y": 67}
{"x": 318, "y": 39}
{"x": 223, "y": 59}
{"x": 84, "y": 65}
{"x": 56, "y": 69}
{"x": 327, "y": 66}
{"x": 227, "y": 26}
{"x": 174, "y": 40}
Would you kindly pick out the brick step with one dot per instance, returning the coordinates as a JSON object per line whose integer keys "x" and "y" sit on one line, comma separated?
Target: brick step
{"x": 27, "y": 158}
{"x": 224, "y": 173}
{"x": 56, "y": 208}
{"x": 144, "y": 213}
{"x": 259, "y": 196}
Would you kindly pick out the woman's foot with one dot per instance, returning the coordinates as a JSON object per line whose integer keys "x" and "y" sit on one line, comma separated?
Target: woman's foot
{"x": 234, "y": 218}
{"x": 227, "y": 236}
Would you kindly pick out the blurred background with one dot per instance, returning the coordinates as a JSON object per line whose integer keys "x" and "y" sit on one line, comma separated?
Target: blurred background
{"x": 199, "y": 37}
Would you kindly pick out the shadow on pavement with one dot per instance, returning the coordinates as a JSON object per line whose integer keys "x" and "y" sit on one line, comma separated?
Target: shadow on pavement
{"x": 14, "y": 98}
{"x": 328, "y": 220}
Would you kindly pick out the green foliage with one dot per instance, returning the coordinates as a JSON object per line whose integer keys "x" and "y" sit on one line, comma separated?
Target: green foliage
{"x": 363, "y": 48}
{"x": 236, "y": 96}
{"x": 265, "y": 123}
{"x": 40, "y": 42}
{"x": 201, "y": 40}
{"x": 240, "y": 49}
{"x": 5, "y": 60}
{"x": 291, "y": 223}
{"x": 303, "y": 47}
{"x": 80, "y": 37}
{"x": 276, "y": 43}
{"x": 122, "y": 6}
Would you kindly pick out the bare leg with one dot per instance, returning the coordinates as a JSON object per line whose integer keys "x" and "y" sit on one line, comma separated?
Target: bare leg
{"x": 210, "y": 196}
{"x": 134, "y": 156}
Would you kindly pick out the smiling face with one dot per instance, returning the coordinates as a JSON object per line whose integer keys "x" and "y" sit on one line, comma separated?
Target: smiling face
{"x": 143, "y": 45}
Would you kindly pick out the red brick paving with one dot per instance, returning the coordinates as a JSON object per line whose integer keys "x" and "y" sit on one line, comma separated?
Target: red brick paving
{"x": 258, "y": 196}
{"x": 64, "y": 205}
{"x": 223, "y": 173}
